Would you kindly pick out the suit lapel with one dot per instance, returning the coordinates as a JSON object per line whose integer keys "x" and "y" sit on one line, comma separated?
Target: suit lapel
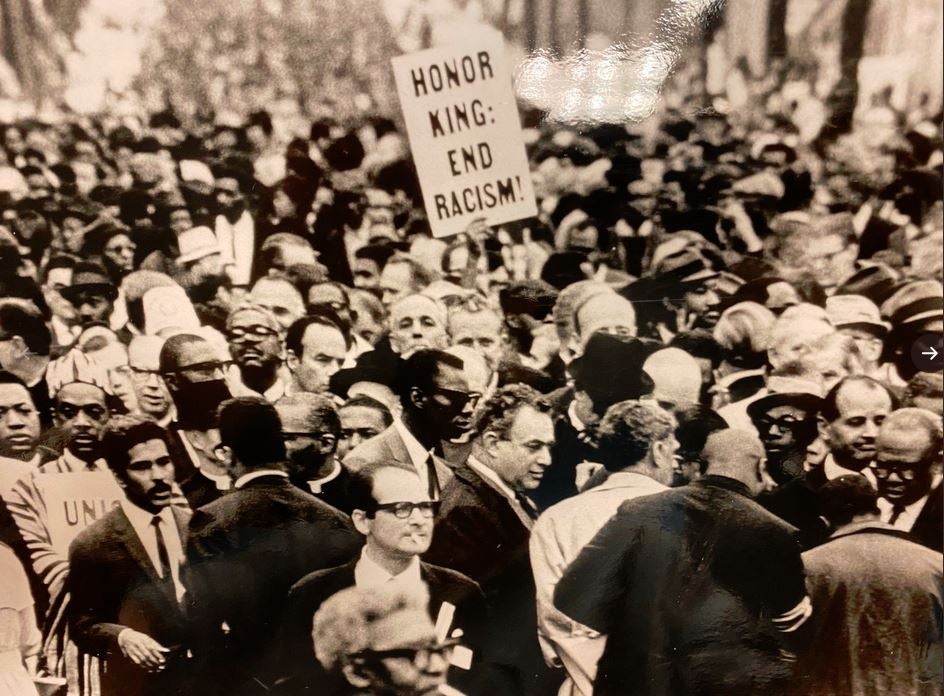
{"x": 126, "y": 534}
{"x": 397, "y": 449}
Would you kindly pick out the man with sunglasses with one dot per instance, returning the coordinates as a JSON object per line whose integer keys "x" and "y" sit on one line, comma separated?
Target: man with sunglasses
{"x": 437, "y": 406}
{"x": 394, "y": 512}
{"x": 192, "y": 369}
{"x": 907, "y": 469}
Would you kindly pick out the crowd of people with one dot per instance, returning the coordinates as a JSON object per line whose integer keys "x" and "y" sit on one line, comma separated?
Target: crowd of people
{"x": 667, "y": 437}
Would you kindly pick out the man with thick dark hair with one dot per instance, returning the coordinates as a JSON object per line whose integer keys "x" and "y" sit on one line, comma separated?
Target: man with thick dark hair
{"x": 246, "y": 549}
{"x": 125, "y": 570}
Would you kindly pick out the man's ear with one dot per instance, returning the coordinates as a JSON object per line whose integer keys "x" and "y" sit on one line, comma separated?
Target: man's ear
{"x": 360, "y": 520}
{"x": 490, "y": 442}
{"x": 291, "y": 360}
{"x": 20, "y": 349}
{"x": 418, "y": 398}
{"x": 352, "y": 673}
{"x": 823, "y": 428}
{"x": 170, "y": 380}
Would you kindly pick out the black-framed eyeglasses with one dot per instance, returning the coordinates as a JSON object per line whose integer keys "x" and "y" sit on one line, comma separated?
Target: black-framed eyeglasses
{"x": 782, "y": 424}
{"x": 70, "y": 411}
{"x": 419, "y": 655}
{"x": 206, "y": 367}
{"x": 402, "y": 510}
{"x": 257, "y": 331}
{"x": 458, "y": 399}
{"x": 883, "y": 471}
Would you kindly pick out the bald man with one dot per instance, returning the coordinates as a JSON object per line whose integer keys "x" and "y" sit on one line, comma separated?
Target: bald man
{"x": 698, "y": 588}
{"x": 907, "y": 469}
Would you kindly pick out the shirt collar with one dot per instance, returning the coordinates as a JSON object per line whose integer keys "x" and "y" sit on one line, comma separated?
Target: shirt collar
{"x": 368, "y": 574}
{"x": 628, "y": 479}
{"x": 833, "y": 470}
{"x": 140, "y": 518}
{"x": 485, "y": 472}
{"x": 76, "y": 464}
{"x": 418, "y": 453}
{"x": 316, "y": 485}
{"x": 253, "y": 475}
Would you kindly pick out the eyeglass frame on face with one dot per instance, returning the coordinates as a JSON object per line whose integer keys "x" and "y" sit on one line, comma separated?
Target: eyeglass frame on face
{"x": 207, "y": 367}
{"x": 764, "y": 424}
{"x": 403, "y": 509}
{"x": 256, "y": 333}
{"x": 438, "y": 648}
{"x": 905, "y": 473}
{"x": 455, "y": 396}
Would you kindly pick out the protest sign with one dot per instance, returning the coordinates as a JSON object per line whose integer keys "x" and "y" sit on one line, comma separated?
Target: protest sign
{"x": 465, "y": 134}
{"x": 74, "y": 501}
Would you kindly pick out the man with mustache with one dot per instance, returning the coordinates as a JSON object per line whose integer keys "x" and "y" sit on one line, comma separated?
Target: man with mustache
{"x": 907, "y": 468}
{"x": 311, "y": 430}
{"x": 393, "y": 511}
{"x": 125, "y": 570}
{"x": 255, "y": 342}
{"x": 192, "y": 370}
{"x": 486, "y": 525}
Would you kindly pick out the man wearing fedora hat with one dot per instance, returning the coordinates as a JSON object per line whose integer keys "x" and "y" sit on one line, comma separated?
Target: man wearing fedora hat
{"x": 859, "y": 318}
{"x": 94, "y": 296}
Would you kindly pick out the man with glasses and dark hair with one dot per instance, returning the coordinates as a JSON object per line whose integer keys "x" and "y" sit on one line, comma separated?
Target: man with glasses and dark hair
{"x": 254, "y": 336}
{"x": 437, "y": 406}
{"x": 394, "y": 512}
{"x": 486, "y": 525}
{"x": 246, "y": 549}
{"x": 192, "y": 370}
{"x": 907, "y": 469}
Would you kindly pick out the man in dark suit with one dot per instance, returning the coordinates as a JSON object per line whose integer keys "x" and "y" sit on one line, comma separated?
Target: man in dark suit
{"x": 437, "y": 406}
{"x": 394, "y": 512}
{"x": 248, "y": 548}
{"x": 125, "y": 571}
{"x": 908, "y": 476}
{"x": 485, "y": 528}
{"x": 695, "y": 587}
{"x": 192, "y": 369}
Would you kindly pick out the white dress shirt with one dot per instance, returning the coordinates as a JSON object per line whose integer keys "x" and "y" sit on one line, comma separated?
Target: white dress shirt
{"x": 419, "y": 455}
{"x": 272, "y": 394}
{"x": 833, "y": 470}
{"x": 237, "y": 241}
{"x": 909, "y": 515}
{"x": 141, "y": 521}
{"x": 557, "y": 538}
{"x": 370, "y": 575}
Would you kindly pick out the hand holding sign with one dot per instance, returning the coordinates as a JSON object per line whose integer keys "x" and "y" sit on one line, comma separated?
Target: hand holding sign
{"x": 465, "y": 135}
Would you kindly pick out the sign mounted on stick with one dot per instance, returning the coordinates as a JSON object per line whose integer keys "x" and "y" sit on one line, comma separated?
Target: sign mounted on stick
{"x": 465, "y": 134}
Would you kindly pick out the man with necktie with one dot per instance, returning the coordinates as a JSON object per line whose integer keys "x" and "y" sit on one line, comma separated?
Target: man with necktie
{"x": 125, "y": 570}
{"x": 437, "y": 406}
{"x": 485, "y": 526}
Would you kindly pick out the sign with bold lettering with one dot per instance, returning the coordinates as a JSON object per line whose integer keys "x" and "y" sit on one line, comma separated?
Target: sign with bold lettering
{"x": 74, "y": 501}
{"x": 465, "y": 134}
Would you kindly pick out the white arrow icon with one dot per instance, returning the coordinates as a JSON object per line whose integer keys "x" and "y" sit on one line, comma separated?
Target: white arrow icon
{"x": 931, "y": 352}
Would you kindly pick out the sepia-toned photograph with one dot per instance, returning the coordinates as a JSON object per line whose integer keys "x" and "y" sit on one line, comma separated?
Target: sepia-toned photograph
{"x": 471, "y": 347}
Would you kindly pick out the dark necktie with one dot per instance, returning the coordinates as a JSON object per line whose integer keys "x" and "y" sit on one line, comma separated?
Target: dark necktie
{"x": 162, "y": 556}
{"x": 896, "y": 513}
{"x": 434, "y": 490}
{"x": 525, "y": 502}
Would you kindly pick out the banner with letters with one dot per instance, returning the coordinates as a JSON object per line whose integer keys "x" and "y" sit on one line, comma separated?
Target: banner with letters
{"x": 465, "y": 134}
{"x": 74, "y": 501}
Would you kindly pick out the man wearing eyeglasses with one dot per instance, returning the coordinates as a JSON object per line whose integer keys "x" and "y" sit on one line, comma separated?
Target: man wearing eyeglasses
{"x": 153, "y": 399}
{"x": 437, "y": 406}
{"x": 394, "y": 512}
{"x": 254, "y": 336}
{"x": 907, "y": 469}
{"x": 192, "y": 370}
